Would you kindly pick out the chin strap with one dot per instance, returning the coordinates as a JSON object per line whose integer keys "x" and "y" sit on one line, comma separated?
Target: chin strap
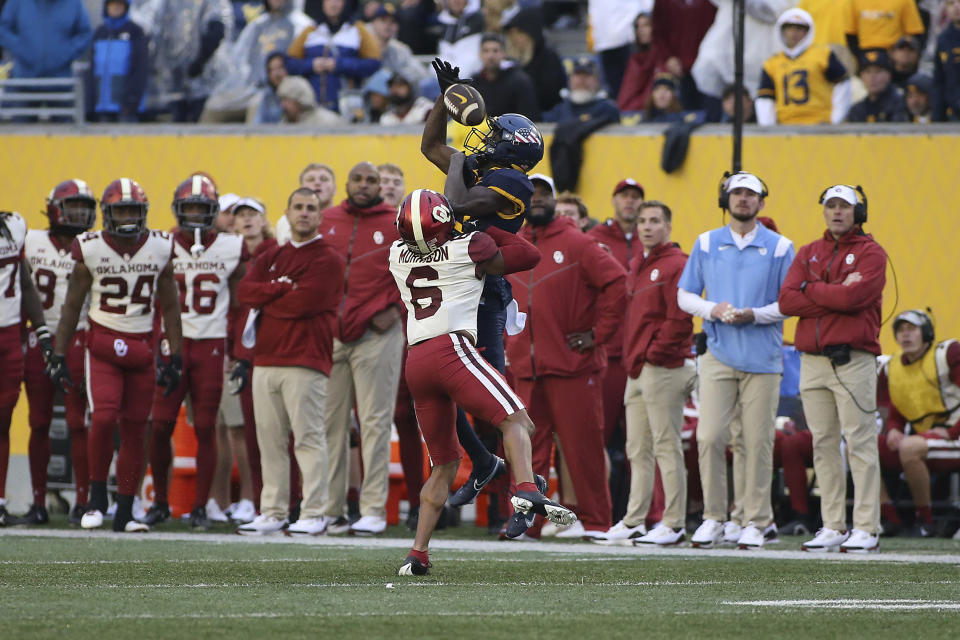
{"x": 197, "y": 249}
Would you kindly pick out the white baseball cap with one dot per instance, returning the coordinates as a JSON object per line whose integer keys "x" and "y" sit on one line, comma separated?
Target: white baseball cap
{"x": 547, "y": 179}
{"x": 842, "y": 191}
{"x": 249, "y": 202}
{"x": 746, "y": 181}
{"x": 228, "y": 200}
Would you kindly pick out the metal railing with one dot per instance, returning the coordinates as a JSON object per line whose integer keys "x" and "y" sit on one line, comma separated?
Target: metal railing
{"x": 42, "y": 98}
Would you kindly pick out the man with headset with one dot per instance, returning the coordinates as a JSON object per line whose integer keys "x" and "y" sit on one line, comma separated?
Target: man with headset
{"x": 835, "y": 286}
{"x": 739, "y": 269}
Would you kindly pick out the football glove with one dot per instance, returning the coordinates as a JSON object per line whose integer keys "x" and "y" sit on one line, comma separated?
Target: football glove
{"x": 169, "y": 373}
{"x": 57, "y": 371}
{"x": 447, "y": 74}
{"x": 45, "y": 341}
{"x": 470, "y": 174}
{"x": 239, "y": 377}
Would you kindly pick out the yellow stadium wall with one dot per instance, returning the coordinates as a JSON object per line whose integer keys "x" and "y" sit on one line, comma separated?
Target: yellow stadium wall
{"x": 910, "y": 181}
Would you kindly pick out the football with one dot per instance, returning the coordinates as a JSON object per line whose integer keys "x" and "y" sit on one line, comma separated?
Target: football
{"x": 464, "y": 104}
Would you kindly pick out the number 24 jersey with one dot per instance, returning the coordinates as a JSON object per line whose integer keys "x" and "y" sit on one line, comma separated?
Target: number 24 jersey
{"x": 124, "y": 278}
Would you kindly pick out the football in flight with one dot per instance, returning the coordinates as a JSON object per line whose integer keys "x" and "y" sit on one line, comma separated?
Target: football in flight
{"x": 464, "y": 104}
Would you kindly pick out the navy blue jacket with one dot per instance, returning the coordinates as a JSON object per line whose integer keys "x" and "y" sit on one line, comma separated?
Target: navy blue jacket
{"x": 602, "y": 108}
{"x": 120, "y": 68}
{"x": 946, "y": 75}
{"x": 889, "y": 106}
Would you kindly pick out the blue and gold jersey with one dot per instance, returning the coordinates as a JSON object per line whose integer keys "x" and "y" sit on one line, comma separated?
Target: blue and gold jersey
{"x": 802, "y": 86}
{"x": 513, "y": 185}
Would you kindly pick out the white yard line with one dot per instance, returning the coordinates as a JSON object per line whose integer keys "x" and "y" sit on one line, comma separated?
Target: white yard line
{"x": 595, "y": 551}
{"x": 874, "y": 604}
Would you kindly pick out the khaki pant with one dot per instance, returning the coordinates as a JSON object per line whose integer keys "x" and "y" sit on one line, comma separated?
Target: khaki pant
{"x": 722, "y": 389}
{"x": 289, "y": 399}
{"x": 831, "y": 412}
{"x": 367, "y": 369}
{"x": 654, "y": 402}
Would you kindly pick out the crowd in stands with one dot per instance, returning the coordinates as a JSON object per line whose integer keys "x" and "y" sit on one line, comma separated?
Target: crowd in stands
{"x": 806, "y": 61}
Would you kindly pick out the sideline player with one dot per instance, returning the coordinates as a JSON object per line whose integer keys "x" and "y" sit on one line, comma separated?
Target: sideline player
{"x": 71, "y": 209}
{"x": 17, "y": 294}
{"x": 207, "y": 266}
{"x": 496, "y": 193}
{"x": 441, "y": 276}
{"x": 125, "y": 268}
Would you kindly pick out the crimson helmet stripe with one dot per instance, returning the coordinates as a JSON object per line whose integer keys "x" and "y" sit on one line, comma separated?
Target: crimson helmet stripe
{"x": 417, "y": 222}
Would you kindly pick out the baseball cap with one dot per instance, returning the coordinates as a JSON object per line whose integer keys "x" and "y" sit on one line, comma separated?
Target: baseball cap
{"x": 228, "y": 201}
{"x": 875, "y": 58}
{"x": 546, "y": 180}
{"x": 385, "y": 11}
{"x": 842, "y": 191}
{"x": 628, "y": 183}
{"x": 585, "y": 64}
{"x": 249, "y": 202}
{"x": 746, "y": 181}
{"x": 666, "y": 80}
{"x": 920, "y": 82}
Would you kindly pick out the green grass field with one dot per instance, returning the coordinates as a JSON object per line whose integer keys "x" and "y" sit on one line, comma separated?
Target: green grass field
{"x": 169, "y": 585}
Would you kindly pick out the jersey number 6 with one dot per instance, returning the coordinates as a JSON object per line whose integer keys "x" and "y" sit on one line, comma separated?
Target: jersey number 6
{"x": 433, "y": 295}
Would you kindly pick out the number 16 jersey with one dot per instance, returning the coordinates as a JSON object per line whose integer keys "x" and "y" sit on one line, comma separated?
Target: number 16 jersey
{"x": 124, "y": 278}
{"x": 203, "y": 282}
{"x": 442, "y": 290}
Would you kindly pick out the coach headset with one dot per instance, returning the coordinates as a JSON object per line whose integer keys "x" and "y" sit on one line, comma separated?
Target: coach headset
{"x": 723, "y": 198}
{"x": 859, "y": 209}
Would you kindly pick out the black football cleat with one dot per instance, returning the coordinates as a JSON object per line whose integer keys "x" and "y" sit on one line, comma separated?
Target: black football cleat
{"x": 76, "y": 514}
{"x": 37, "y": 515}
{"x": 199, "y": 520}
{"x": 534, "y": 502}
{"x": 474, "y": 484}
{"x": 519, "y": 522}
{"x": 413, "y": 567}
{"x": 4, "y": 516}
{"x": 157, "y": 513}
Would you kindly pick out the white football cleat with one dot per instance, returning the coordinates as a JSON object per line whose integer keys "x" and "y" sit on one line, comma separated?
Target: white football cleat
{"x": 308, "y": 527}
{"x": 214, "y": 512}
{"x": 662, "y": 536}
{"x": 92, "y": 519}
{"x": 243, "y": 511}
{"x": 261, "y": 526}
{"x": 860, "y": 541}
{"x": 826, "y": 540}
{"x": 707, "y": 534}
{"x": 134, "y": 526}
{"x": 368, "y": 526}
{"x": 751, "y": 538}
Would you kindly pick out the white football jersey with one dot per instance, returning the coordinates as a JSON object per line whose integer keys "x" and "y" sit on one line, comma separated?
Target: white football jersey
{"x": 203, "y": 283}
{"x": 11, "y": 254}
{"x": 441, "y": 291}
{"x": 124, "y": 284}
{"x": 52, "y": 267}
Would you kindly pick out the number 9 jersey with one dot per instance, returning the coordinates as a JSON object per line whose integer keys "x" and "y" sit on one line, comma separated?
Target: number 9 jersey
{"x": 124, "y": 278}
{"x": 52, "y": 266}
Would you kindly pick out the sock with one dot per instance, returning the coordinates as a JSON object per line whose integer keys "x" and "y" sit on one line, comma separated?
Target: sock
{"x": 161, "y": 454}
{"x": 206, "y": 464}
{"x": 925, "y": 515}
{"x": 98, "y": 496}
{"x": 81, "y": 470}
{"x": 527, "y": 486}
{"x": 6, "y": 415}
{"x": 38, "y": 452}
{"x": 353, "y": 495}
{"x": 889, "y": 512}
{"x": 422, "y": 556}
{"x": 124, "y": 512}
{"x": 479, "y": 456}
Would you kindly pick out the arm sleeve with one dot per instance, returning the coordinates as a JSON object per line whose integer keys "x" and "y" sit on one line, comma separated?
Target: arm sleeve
{"x": 297, "y": 61}
{"x": 858, "y": 295}
{"x": 212, "y": 35}
{"x": 842, "y": 97}
{"x": 254, "y": 290}
{"x": 518, "y": 254}
{"x": 319, "y": 290}
{"x": 694, "y": 304}
{"x": 912, "y": 23}
{"x": 835, "y": 71}
{"x": 792, "y": 300}
{"x": 512, "y": 186}
{"x": 766, "y": 110}
{"x": 603, "y": 273}
{"x": 853, "y": 43}
{"x": 675, "y": 328}
{"x": 953, "y": 361}
{"x": 768, "y": 314}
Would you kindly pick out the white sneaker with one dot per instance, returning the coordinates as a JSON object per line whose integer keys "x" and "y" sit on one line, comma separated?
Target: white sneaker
{"x": 573, "y": 531}
{"x": 138, "y": 512}
{"x": 368, "y": 526}
{"x": 621, "y": 533}
{"x": 663, "y": 536}
{"x": 751, "y": 538}
{"x": 732, "y": 532}
{"x": 707, "y": 535}
{"x": 826, "y": 540}
{"x": 135, "y": 527}
{"x": 215, "y": 513}
{"x": 860, "y": 542}
{"x": 261, "y": 526}
{"x": 92, "y": 519}
{"x": 308, "y": 527}
{"x": 243, "y": 511}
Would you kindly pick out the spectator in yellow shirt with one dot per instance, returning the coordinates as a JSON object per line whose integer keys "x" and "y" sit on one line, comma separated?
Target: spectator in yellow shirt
{"x": 831, "y": 18}
{"x": 878, "y": 24}
{"x": 805, "y": 83}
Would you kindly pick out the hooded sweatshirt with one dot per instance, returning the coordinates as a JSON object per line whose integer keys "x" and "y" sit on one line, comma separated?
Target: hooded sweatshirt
{"x": 545, "y": 67}
{"x": 44, "y": 36}
{"x": 832, "y": 313}
{"x": 804, "y": 84}
{"x": 120, "y": 66}
{"x": 362, "y": 237}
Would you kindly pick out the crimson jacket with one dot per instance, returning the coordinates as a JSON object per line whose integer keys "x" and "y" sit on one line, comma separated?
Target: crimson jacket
{"x": 297, "y": 317}
{"x": 237, "y": 316}
{"x": 657, "y": 330}
{"x": 577, "y": 286}
{"x": 362, "y": 237}
{"x": 830, "y": 313}
{"x": 610, "y": 235}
